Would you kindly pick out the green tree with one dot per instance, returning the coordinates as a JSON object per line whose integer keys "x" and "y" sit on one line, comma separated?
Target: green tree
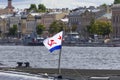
{"x": 41, "y": 8}
{"x": 104, "y": 5}
{"x": 40, "y": 28}
{"x": 74, "y": 27}
{"x": 100, "y": 28}
{"x": 56, "y": 27}
{"x": 116, "y": 1}
{"x": 92, "y": 28}
{"x": 107, "y": 29}
{"x": 33, "y": 7}
{"x": 13, "y": 30}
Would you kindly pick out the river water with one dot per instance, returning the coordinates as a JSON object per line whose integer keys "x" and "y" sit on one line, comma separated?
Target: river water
{"x": 72, "y": 57}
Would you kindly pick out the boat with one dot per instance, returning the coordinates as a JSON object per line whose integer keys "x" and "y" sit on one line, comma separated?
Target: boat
{"x": 71, "y": 38}
{"x": 12, "y": 75}
{"x": 32, "y": 40}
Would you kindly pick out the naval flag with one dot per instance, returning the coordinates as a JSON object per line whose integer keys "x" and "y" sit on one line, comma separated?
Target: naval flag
{"x": 54, "y": 43}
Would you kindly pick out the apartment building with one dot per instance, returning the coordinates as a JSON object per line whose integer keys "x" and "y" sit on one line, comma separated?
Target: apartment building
{"x": 116, "y": 20}
{"x": 82, "y": 16}
{"x": 29, "y": 23}
{"x": 3, "y": 27}
{"x": 48, "y": 18}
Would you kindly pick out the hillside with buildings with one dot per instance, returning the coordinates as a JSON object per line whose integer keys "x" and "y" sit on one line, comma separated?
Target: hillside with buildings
{"x": 26, "y": 21}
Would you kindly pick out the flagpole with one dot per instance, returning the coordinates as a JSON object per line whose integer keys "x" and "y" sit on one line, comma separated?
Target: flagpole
{"x": 59, "y": 61}
{"x": 59, "y": 69}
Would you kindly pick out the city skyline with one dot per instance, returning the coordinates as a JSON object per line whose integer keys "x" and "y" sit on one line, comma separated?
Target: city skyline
{"x": 54, "y": 3}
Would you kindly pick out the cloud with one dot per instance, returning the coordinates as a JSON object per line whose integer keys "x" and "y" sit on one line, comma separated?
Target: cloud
{"x": 56, "y": 3}
{"x": 98, "y": 2}
{"x": 65, "y": 4}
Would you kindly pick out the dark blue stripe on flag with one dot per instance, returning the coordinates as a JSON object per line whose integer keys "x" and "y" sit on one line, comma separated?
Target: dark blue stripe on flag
{"x": 55, "y": 48}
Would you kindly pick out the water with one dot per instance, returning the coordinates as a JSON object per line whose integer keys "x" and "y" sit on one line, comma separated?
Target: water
{"x": 72, "y": 57}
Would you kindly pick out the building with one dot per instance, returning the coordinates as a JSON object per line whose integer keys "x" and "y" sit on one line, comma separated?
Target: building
{"x": 3, "y": 27}
{"x": 64, "y": 10}
{"x": 14, "y": 20}
{"x": 29, "y": 23}
{"x": 116, "y": 20}
{"x": 4, "y": 24}
{"x": 9, "y": 6}
{"x": 26, "y": 24}
{"x": 105, "y": 17}
{"x": 48, "y": 18}
{"x": 8, "y": 9}
{"x": 7, "y": 22}
{"x": 82, "y": 16}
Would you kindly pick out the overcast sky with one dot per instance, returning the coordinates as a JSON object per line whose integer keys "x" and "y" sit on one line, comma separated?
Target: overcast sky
{"x": 55, "y": 3}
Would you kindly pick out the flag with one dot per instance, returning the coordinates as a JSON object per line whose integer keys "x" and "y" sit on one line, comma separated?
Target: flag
{"x": 54, "y": 43}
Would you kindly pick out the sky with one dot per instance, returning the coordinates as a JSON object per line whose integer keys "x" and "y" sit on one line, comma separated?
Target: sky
{"x": 71, "y": 4}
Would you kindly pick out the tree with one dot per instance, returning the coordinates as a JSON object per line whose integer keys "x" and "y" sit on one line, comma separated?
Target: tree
{"x": 33, "y": 7}
{"x": 100, "y": 28}
{"x": 116, "y": 1}
{"x": 13, "y": 30}
{"x": 74, "y": 27}
{"x": 40, "y": 28}
{"x": 104, "y": 5}
{"x": 91, "y": 29}
{"x": 106, "y": 29}
{"x": 56, "y": 27}
{"x": 41, "y": 8}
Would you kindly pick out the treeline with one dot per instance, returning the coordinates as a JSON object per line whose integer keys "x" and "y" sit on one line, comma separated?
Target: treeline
{"x": 39, "y": 8}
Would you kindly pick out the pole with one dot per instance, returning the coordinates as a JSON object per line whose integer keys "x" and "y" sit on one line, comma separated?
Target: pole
{"x": 59, "y": 69}
{"x": 59, "y": 61}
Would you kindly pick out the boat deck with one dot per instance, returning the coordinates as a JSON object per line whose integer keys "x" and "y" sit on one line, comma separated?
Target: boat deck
{"x": 72, "y": 74}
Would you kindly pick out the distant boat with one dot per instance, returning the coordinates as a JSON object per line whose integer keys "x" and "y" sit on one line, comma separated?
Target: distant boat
{"x": 71, "y": 38}
{"x": 32, "y": 40}
{"x": 36, "y": 42}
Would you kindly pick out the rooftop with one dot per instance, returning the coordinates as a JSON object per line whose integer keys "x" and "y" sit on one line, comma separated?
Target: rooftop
{"x": 80, "y": 11}
{"x": 116, "y": 5}
{"x": 107, "y": 15}
{"x": 5, "y": 15}
{"x": 64, "y": 20}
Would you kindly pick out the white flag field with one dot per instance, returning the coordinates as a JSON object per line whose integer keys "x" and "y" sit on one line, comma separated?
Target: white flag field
{"x": 55, "y": 42}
